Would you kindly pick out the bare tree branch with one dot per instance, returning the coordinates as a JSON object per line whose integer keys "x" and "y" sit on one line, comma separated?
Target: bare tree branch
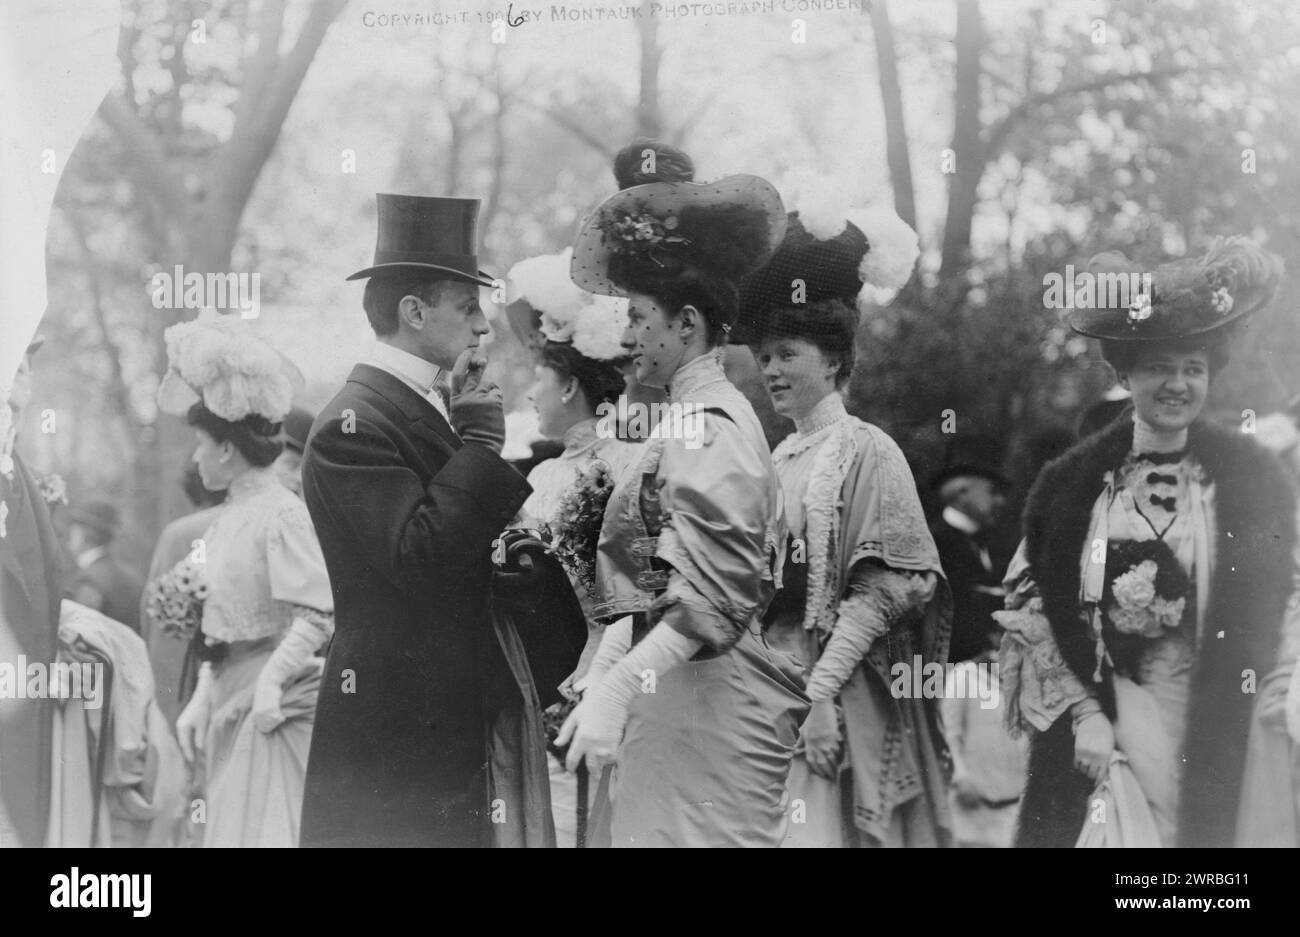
{"x": 575, "y": 128}
{"x": 999, "y": 132}
{"x": 891, "y": 93}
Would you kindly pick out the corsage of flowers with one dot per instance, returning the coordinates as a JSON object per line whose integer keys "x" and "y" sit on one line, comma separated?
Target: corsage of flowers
{"x": 1221, "y": 300}
{"x": 633, "y": 233}
{"x": 175, "y": 600}
{"x": 1140, "y": 309}
{"x": 1146, "y": 588}
{"x": 53, "y": 489}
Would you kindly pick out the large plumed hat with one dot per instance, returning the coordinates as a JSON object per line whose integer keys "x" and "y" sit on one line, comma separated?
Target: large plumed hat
{"x": 217, "y": 359}
{"x": 829, "y": 253}
{"x": 1193, "y": 296}
{"x": 561, "y": 311}
{"x": 663, "y": 219}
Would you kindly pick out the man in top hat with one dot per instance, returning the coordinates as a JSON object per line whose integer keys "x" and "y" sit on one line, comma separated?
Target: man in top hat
{"x": 101, "y": 582}
{"x": 973, "y": 499}
{"x": 31, "y": 578}
{"x": 408, "y": 493}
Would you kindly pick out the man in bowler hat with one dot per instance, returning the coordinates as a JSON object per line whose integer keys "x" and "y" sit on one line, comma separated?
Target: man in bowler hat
{"x": 973, "y": 499}
{"x": 408, "y": 493}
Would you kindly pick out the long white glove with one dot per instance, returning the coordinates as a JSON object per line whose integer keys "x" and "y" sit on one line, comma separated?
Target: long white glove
{"x": 615, "y": 641}
{"x": 294, "y": 650}
{"x": 596, "y": 725}
{"x": 192, "y": 725}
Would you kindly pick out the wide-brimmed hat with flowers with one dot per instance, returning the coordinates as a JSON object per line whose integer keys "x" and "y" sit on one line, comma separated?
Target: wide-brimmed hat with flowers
{"x": 218, "y": 360}
{"x": 1193, "y": 296}
{"x": 549, "y": 303}
{"x": 726, "y": 229}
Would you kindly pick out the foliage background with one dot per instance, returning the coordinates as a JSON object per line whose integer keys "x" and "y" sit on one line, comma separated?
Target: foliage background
{"x": 1014, "y": 139}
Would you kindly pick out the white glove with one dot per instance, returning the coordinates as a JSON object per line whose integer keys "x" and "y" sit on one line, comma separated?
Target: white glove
{"x": 295, "y": 649}
{"x": 192, "y": 725}
{"x": 595, "y": 726}
{"x": 614, "y": 643}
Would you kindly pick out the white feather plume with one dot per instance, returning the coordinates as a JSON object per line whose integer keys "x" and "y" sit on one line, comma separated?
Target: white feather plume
{"x": 894, "y": 250}
{"x": 593, "y": 324}
{"x": 234, "y": 372}
{"x": 819, "y": 201}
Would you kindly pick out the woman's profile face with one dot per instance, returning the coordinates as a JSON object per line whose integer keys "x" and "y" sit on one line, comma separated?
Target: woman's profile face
{"x": 547, "y": 395}
{"x": 1169, "y": 388}
{"x": 208, "y": 457}
{"x": 653, "y": 338}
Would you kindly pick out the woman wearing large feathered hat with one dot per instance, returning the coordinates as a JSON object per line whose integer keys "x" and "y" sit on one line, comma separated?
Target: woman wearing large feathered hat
{"x": 1151, "y": 646}
{"x": 686, "y": 556}
{"x": 266, "y": 601}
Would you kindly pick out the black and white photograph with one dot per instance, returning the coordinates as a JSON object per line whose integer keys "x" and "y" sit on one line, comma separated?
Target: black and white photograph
{"x": 651, "y": 424}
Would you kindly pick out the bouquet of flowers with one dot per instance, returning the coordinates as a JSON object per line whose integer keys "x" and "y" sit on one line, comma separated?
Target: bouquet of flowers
{"x": 175, "y": 602}
{"x": 53, "y": 489}
{"x": 1146, "y": 588}
{"x": 575, "y": 530}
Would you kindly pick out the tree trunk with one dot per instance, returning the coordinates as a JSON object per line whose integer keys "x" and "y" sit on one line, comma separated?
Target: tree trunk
{"x": 200, "y": 229}
{"x": 968, "y": 151}
{"x": 900, "y": 164}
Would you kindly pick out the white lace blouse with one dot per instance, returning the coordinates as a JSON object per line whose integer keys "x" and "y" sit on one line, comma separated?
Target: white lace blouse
{"x": 262, "y": 563}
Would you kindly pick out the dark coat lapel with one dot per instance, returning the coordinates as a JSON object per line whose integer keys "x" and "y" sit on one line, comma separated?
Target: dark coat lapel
{"x": 410, "y": 404}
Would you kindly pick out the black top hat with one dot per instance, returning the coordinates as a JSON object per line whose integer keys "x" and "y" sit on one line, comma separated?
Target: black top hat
{"x": 418, "y": 232}
{"x": 96, "y": 515}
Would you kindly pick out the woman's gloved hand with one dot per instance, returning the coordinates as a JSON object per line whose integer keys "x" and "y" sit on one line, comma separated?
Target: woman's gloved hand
{"x": 294, "y": 651}
{"x": 821, "y": 738}
{"x": 192, "y": 725}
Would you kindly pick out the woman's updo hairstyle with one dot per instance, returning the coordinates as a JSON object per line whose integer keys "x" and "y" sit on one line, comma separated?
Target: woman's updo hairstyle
{"x": 644, "y": 161}
{"x": 600, "y": 381}
{"x": 256, "y": 437}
